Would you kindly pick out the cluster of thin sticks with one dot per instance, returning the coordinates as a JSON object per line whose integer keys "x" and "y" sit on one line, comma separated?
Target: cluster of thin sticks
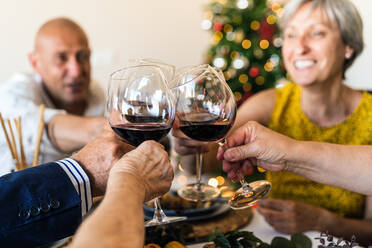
{"x": 20, "y": 158}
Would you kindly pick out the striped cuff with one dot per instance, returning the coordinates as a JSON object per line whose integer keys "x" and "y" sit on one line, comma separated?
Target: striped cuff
{"x": 80, "y": 181}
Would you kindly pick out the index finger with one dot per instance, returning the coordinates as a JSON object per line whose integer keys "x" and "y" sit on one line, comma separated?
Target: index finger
{"x": 240, "y": 137}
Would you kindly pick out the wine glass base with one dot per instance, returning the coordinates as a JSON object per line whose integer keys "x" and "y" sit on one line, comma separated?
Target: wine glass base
{"x": 201, "y": 192}
{"x": 241, "y": 199}
{"x": 165, "y": 220}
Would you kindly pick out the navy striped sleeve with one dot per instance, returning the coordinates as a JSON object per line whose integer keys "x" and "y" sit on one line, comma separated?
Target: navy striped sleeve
{"x": 80, "y": 181}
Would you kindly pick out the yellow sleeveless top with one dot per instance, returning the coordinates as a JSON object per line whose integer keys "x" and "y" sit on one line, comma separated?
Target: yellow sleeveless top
{"x": 287, "y": 118}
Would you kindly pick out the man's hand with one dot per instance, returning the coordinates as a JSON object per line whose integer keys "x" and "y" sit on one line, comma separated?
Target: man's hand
{"x": 98, "y": 157}
{"x": 292, "y": 217}
{"x": 148, "y": 166}
{"x": 254, "y": 145}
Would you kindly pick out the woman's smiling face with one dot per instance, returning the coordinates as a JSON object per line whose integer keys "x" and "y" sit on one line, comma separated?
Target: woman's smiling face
{"x": 313, "y": 50}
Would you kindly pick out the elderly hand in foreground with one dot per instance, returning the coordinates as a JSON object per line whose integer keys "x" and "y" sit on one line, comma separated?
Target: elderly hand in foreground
{"x": 98, "y": 157}
{"x": 292, "y": 217}
{"x": 148, "y": 167}
{"x": 184, "y": 145}
{"x": 254, "y": 145}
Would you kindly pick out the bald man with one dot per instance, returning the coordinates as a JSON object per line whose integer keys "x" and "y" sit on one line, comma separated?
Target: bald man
{"x": 61, "y": 81}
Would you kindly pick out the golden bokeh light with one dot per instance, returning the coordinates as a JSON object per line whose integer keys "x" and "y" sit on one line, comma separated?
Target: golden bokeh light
{"x": 264, "y": 44}
{"x": 275, "y": 7}
{"x": 243, "y": 78}
{"x": 234, "y": 55}
{"x": 227, "y": 28}
{"x": 255, "y": 25}
{"x": 279, "y": 12}
{"x": 246, "y": 44}
{"x": 247, "y": 87}
{"x": 221, "y": 180}
{"x": 269, "y": 66}
{"x": 260, "y": 80}
{"x": 218, "y": 35}
{"x": 239, "y": 36}
{"x": 238, "y": 96}
{"x": 227, "y": 75}
{"x": 271, "y": 19}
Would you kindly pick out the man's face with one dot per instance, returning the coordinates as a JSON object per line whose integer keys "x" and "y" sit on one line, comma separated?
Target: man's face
{"x": 62, "y": 59}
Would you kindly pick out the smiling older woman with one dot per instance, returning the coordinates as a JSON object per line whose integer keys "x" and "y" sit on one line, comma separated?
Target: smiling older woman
{"x": 321, "y": 39}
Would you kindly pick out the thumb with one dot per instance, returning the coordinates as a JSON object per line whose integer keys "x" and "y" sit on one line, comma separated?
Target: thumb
{"x": 239, "y": 153}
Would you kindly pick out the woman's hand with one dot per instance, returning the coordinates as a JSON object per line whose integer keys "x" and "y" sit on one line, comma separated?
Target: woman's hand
{"x": 292, "y": 217}
{"x": 254, "y": 145}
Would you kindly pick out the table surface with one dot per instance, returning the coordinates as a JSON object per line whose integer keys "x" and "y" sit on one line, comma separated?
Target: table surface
{"x": 265, "y": 232}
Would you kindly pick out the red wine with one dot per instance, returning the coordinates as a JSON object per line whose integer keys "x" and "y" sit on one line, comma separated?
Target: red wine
{"x": 203, "y": 126}
{"x": 136, "y": 134}
{"x": 206, "y": 132}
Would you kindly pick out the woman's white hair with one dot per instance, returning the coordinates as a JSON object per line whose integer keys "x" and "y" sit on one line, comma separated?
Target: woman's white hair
{"x": 343, "y": 12}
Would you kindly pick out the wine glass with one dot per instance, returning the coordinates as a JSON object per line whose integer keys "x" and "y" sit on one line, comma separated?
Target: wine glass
{"x": 141, "y": 107}
{"x": 206, "y": 110}
{"x": 167, "y": 69}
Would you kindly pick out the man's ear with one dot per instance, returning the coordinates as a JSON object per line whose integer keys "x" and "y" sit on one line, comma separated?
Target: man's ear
{"x": 33, "y": 59}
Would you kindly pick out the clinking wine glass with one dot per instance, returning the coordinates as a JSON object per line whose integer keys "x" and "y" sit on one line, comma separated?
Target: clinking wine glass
{"x": 141, "y": 107}
{"x": 206, "y": 110}
{"x": 167, "y": 69}
{"x": 248, "y": 194}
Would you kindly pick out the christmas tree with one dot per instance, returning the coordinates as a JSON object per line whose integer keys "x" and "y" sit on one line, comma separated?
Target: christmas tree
{"x": 245, "y": 44}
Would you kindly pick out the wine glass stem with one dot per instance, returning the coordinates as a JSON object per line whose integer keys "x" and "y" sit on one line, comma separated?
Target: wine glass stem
{"x": 245, "y": 186}
{"x": 199, "y": 164}
{"x": 158, "y": 211}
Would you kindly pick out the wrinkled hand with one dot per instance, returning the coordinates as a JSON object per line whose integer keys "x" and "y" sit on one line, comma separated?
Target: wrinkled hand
{"x": 98, "y": 157}
{"x": 254, "y": 145}
{"x": 149, "y": 165}
{"x": 186, "y": 146}
{"x": 292, "y": 217}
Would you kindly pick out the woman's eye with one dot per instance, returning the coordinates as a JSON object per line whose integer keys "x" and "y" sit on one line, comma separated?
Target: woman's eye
{"x": 318, "y": 34}
{"x": 289, "y": 35}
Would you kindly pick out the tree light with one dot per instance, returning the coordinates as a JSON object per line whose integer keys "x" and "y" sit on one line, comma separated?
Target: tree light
{"x": 206, "y": 24}
{"x": 242, "y": 4}
{"x": 213, "y": 182}
{"x": 219, "y": 62}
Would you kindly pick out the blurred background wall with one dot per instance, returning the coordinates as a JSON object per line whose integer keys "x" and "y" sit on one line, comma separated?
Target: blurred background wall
{"x": 168, "y": 30}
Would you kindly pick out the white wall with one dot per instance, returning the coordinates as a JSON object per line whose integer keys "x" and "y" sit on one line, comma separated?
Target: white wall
{"x": 164, "y": 29}
{"x": 359, "y": 74}
{"x": 120, "y": 29}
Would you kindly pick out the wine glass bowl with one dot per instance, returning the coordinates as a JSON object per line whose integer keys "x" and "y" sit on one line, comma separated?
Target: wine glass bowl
{"x": 206, "y": 110}
{"x": 140, "y": 105}
{"x": 168, "y": 70}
